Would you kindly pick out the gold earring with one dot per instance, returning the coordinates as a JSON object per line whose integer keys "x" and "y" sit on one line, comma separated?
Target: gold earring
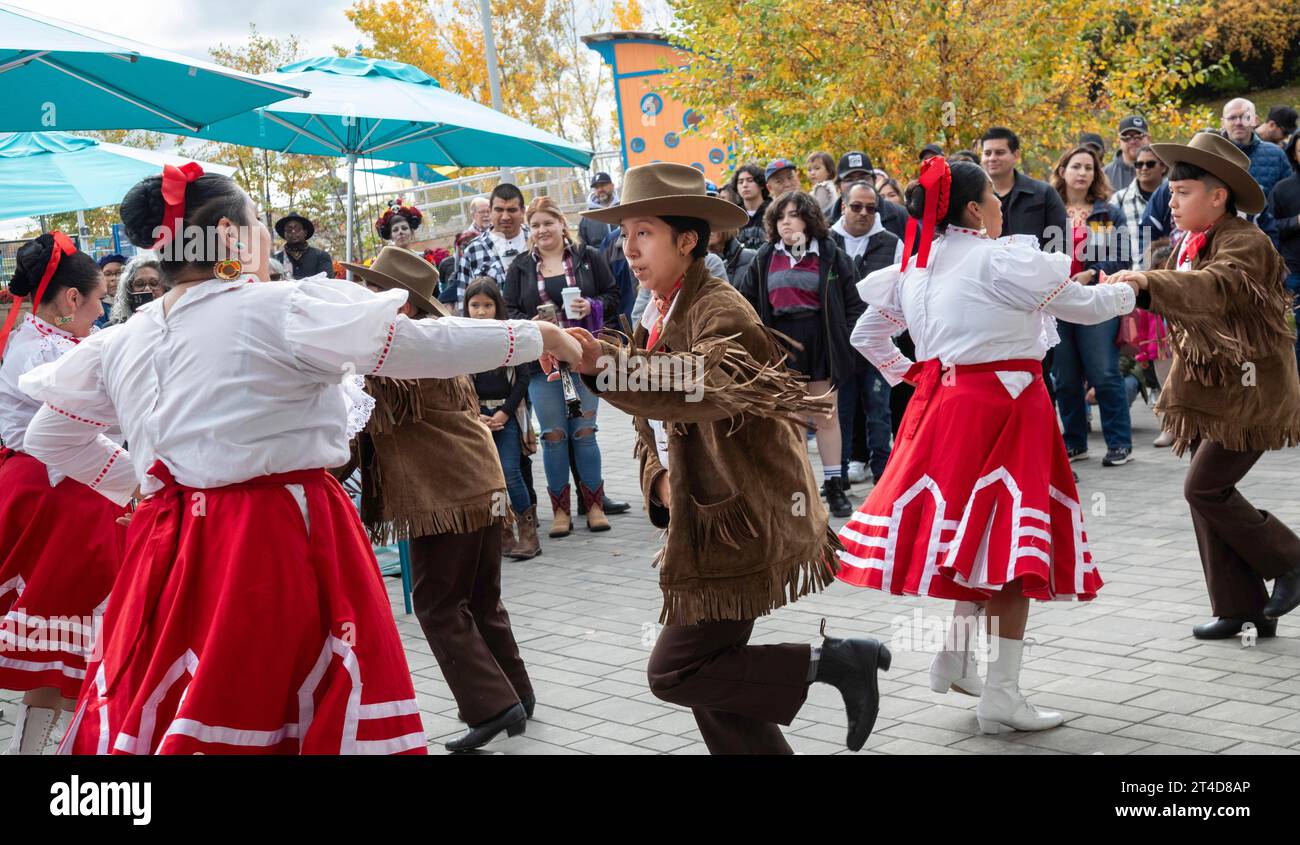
{"x": 228, "y": 270}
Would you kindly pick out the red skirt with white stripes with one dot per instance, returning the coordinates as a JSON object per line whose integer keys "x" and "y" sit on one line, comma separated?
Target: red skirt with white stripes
{"x": 60, "y": 549}
{"x": 248, "y": 619}
{"x": 978, "y": 493}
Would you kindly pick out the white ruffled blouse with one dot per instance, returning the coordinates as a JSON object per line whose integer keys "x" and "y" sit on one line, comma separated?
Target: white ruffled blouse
{"x": 31, "y": 343}
{"x": 242, "y": 379}
{"x": 980, "y": 300}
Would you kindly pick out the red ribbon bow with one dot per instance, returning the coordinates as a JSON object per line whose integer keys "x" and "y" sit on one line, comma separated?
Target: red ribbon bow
{"x": 63, "y": 245}
{"x": 174, "y": 182}
{"x": 936, "y": 178}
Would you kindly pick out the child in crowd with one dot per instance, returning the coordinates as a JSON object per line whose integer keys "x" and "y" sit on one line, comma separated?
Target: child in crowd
{"x": 503, "y": 407}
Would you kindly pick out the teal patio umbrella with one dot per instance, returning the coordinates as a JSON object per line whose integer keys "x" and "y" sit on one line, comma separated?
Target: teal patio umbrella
{"x": 362, "y": 107}
{"x": 58, "y": 75}
{"x": 421, "y": 173}
{"x": 53, "y": 172}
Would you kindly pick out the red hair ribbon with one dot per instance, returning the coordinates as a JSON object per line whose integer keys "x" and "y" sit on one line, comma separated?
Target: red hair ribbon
{"x": 936, "y": 178}
{"x": 63, "y": 245}
{"x": 174, "y": 182}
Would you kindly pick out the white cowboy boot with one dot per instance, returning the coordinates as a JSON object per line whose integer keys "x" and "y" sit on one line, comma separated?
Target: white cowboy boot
{"x": 955, "y": 668}
{"x": 1002, "y": 707}
{"x": 33, "y": 729}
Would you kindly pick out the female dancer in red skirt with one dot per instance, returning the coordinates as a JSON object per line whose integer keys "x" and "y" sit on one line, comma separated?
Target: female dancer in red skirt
{"x": 249, "y": 616}
{"x": 60, "y": 546}
{"x": 978, "y": 503}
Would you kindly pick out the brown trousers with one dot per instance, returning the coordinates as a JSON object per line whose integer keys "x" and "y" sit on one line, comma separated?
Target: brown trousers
{"x": 739, "y": 693}
{"x": 1241, "y": 546}
{"x": 456, "y": 590}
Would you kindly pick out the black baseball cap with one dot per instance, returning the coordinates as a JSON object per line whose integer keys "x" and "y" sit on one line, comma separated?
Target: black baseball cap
{"x": 929, "y": 150}
{"x": 854, "y": 161}
{"x": 1092, "y": 139}
{"x": 601, "y": 178}
{"x": 1134, "y": 122}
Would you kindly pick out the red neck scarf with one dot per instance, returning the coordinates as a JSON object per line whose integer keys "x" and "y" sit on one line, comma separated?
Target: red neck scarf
{"x": 663, "y": 303}
{"x": 1193, "y": 244}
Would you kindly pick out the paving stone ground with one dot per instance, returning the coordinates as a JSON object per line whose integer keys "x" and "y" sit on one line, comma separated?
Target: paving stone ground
{"x": 1123, "y": 668}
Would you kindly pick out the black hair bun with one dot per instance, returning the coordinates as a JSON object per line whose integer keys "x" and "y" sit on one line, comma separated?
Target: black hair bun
{"x": 33, "y": 257}
{"x": 142, "y": 211}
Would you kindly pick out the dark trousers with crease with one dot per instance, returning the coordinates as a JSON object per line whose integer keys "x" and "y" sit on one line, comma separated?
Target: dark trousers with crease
{"x": 739, "y": 693}
{"x": 456, "y": 591}
{"x": 1241, "y": 546}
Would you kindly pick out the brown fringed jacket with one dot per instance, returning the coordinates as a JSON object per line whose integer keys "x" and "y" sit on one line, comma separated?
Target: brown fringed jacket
{"x": 428, "y": 464}
{"x": 1233, "y": 378}
{"x": 748, "y": 532}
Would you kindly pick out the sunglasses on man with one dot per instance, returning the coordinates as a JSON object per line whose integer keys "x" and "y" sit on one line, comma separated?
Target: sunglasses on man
{"x": 1143, "y": 165}
{"x": 862, "y": 208}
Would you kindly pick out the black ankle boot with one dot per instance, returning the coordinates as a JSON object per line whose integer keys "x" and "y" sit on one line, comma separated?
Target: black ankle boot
{"x": 1286, "y": 595}
{"x": 513, "y": 721}
{"x": 850, "y": 666}
{"x": 836, "y": 501}
{"x": 1224, "y": 628}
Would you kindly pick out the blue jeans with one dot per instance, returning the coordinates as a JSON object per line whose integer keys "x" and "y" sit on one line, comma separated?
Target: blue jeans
{"x": 866, "y": 390}
{"x": 548, "y": 403}
{"x": 510, "y": 450}
{"x": 1089, "y": 352}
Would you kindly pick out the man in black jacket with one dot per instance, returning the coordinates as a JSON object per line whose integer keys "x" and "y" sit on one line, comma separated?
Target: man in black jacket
{"x": 1029, "y": 207}
{"x": 303, "y": 260}
{"x": 864, "y": 394}
{"x": 856, "y": 166}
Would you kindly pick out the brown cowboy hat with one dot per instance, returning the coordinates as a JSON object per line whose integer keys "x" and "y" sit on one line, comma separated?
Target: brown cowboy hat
{"x": 1223, "y": 160}
{"x": 402, "y": 269}
{"x": 670, "y": 190}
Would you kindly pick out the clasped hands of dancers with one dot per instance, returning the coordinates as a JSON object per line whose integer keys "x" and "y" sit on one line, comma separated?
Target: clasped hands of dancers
{"x": 229, "y": 397}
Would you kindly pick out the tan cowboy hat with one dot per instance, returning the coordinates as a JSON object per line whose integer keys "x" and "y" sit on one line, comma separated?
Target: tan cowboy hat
{"x": 1222, "y": 159}
{"x": 670, "y": 190}
{"x": 402, "y": 269}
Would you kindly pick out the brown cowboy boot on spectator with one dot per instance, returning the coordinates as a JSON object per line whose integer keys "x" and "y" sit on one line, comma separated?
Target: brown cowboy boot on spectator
{"x": 595, "y": 500}
{"x": 562, "y": 523}
{"x": 529, "y": 546}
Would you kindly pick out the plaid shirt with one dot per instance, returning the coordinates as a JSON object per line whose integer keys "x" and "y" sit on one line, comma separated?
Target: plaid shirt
{"x": 479, "y": 259}
{"x": 1130, "y": 202}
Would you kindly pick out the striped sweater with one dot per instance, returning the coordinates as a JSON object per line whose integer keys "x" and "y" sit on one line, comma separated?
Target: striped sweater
{"x": 793, "y": 288}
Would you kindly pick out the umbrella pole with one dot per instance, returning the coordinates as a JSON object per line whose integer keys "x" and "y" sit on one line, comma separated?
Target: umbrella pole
{"x": 351, "y": 215}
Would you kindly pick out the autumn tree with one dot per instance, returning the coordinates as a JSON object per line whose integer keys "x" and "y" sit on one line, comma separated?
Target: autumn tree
{"x": 548, "y": 77}
{"x": 776, "y": 77}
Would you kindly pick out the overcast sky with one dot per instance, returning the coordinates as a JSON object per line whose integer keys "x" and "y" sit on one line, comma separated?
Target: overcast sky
{"x": 193, "y": 26}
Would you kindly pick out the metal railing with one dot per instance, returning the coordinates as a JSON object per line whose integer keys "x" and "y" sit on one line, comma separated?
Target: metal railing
{"x": 445, "y": 205}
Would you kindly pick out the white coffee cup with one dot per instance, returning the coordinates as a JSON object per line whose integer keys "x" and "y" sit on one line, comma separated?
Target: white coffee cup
{"x": 570, "y": 296}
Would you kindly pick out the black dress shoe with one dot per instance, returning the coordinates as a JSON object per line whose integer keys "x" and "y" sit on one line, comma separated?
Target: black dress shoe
{"x": 1223, "y": 629}
{"x": 1286, "y": 595}
{"x": 612, "y": 507}
{"x": 513, "y": 721}
{"x": 850, "y": 666}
